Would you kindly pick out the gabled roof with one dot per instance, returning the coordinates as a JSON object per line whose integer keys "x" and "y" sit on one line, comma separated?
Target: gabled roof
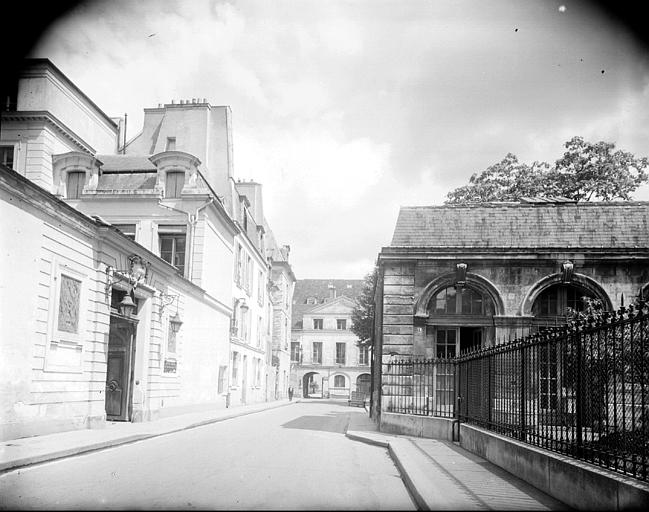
{"x": 616, "y": 225}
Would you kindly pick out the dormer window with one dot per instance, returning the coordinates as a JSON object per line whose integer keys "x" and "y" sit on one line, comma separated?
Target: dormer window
{"x": 74, "y": 184}
{"x": 174, "y": 183}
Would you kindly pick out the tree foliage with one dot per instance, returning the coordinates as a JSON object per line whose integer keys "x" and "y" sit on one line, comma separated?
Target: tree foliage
{"x": 586, "y": 171}
{"x": 363, "y": 313}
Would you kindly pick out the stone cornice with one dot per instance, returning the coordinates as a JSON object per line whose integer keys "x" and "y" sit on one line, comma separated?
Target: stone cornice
{"x": 51, "y": 120}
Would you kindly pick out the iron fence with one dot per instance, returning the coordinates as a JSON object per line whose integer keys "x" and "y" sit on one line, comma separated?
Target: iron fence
{"x": 579, "y": 390}
{"x": 424, "y": 387}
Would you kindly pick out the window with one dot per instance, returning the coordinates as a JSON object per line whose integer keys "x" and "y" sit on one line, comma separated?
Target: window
{"x": 364, "y": 355}
{"x": 317, "y": 323}
{"x": 340, "y": 353}
{"x": 260, "y": 327}
{"x": 446, "y": 343}
{"x": 465, "y": 302}
{"x": 223, "y": 375}
{"x": 172, "y": 246}
{"x": 260, "y": 288}
{"x": 341, "y": 325}
{"x": 238, "y": 276}
{"x": 339, "y": 381}
{"x": 7, "y": 156}
{"x": 295, "y": 352}
{"x": 317, "y": 352}
{"x": 311, "y": 300}
{"x": 258, "y": 373}
{"x": 171, "y": 144}
{"x": 127, "y": 229}
{"x": 174, "y": 183}
{"x": 555, "y": 300}
{"x": 235, "y": 367}
{"x": 75, "y": 183}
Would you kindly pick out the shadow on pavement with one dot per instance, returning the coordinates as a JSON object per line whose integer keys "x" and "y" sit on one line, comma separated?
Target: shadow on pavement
{"x": 331, "y": 422}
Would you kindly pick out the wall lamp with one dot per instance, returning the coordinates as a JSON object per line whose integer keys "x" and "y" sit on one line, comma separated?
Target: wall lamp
{"x": 166, "y": 300}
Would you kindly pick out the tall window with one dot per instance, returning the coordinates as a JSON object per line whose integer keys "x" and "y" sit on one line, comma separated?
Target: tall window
{"x": 317, "y": 323}
{"x": 339, "y": 381}
{"x": 75, "y": 183}
{"x": 172, "y": 246}
{"x": 317, "y": 352}
{"x": 341, "y": 324}
{"x": 340, "y": 353}
{"x": 235, "y": 367}
{"x": 222, "y": 379}
{"x": 260, "y": 288}
{"x": 295, "y": 352}
{"x": 7, "y": 156}
{"x": 364, "y": 355}
{"x": 174, "y": 183}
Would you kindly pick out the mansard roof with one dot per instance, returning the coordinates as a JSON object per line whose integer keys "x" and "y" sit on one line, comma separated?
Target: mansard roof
{"x": 126, "y": 163}
{"x": 525, "y": 225}
{"x": 318, "y": 289}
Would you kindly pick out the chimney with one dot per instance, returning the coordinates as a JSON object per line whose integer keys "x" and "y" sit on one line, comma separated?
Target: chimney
{"x": 204, "y": 100}
{"x": 193, "y": 101}
{"x": 332, "y": 291}
{"x": 173, "y": 102}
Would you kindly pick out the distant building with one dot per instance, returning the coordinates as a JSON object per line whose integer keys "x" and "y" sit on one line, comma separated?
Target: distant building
{"x": 460, "y": 277}
{"x": 325, "y": 358}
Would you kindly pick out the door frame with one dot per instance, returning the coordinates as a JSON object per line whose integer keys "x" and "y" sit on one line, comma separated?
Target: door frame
{"x": 129, "y": 371}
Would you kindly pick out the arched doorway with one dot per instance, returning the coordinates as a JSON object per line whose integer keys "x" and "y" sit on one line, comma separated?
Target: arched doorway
{"x": 363, "y": 383}
{"x": 312, "y": 385}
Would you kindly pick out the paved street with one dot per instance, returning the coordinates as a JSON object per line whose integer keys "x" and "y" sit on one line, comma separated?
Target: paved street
{"x": 288, "y": 458}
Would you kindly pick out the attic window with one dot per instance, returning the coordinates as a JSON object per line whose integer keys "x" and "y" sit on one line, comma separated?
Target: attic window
{"x": 174, "y": 183}
{"x": 311, "y": 300}
{"x": 75, "y": 183}
{"x": 171, "y": 144}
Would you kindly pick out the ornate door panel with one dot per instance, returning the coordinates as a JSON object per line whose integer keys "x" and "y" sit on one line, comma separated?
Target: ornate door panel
{"x": 119, "y": 369}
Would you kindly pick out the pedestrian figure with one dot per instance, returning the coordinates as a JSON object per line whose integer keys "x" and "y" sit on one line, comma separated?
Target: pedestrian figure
{"x": 290, "y": 394}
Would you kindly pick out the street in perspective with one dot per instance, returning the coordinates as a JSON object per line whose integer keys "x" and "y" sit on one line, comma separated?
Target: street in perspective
{"x": 303, "y": 461}
{"x": 324, "y": 254}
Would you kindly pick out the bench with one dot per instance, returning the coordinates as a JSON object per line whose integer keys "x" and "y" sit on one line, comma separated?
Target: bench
{"x": 357, "y": 399}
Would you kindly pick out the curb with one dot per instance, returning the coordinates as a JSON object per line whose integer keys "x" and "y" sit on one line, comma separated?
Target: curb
{"x": 133, "y": 438}
{"x": 427, "y": 493}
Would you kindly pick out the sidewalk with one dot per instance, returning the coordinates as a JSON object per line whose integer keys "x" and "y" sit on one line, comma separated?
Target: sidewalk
{"x": 442, "y": 476}
{"x": 26, "y": 451}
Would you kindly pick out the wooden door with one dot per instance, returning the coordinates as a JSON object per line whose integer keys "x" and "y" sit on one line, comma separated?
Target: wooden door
{"x": 119, "y": 369}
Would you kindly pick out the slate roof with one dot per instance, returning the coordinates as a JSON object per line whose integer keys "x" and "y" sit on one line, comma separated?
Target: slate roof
{"x": 127, "y": 181}
{"x": 620, "y": 225}
{"x": 132, "y": 163}
{"x": 319, "y": 288}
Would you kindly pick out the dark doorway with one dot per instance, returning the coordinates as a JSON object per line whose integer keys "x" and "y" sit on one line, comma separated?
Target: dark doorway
{"x": 119, "y": 371}
{"x": 470, "y": 338}
{"x": 363, "y": 383}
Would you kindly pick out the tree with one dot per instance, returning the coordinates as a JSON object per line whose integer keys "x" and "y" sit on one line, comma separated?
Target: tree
{"x": 363, "y": 313}
{"x": 586, "y": 171}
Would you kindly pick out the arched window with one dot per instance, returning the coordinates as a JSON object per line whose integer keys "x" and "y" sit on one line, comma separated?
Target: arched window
{"x": 555, "y": 300}
{"x": 339, "y": 381}
{"x": 464, "y": 301}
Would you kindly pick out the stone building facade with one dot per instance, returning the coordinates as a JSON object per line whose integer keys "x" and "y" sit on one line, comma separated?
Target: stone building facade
{"x": 464, "y": 276}
{"x": 326, "y": 361}
{"x": 157, "y": 225}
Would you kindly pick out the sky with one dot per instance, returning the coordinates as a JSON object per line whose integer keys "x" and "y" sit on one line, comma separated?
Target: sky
{"x": 347, "y": 110}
